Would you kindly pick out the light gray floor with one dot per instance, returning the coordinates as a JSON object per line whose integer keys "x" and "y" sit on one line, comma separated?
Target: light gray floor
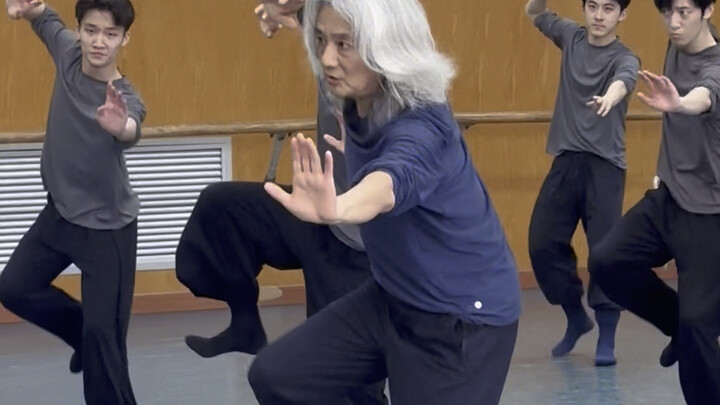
{"x": 33, "y": 364}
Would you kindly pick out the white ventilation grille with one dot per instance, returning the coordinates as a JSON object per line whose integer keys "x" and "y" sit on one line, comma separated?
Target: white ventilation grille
{"x": 168, "y": 176}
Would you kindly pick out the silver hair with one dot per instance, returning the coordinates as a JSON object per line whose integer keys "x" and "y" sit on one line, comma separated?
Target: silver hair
{"x": 393, "y": 38}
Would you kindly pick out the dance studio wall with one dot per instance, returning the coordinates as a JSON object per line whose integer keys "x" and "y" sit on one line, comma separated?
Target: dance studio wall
{"x": 205, "y": 62}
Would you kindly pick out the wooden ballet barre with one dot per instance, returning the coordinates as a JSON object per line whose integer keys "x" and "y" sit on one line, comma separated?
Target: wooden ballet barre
{"x": 184, "y": 131}
{"x": 465, "y": 120}
{"x": 279, "y": 130}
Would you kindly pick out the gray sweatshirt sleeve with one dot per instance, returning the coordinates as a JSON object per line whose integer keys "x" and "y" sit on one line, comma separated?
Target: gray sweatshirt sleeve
{"x": 52, "y": 31}
{"x": 137, "y": 111}
{"x": 559, "y": 30}
{"x": 711, "y": 81}
{"x": 626, "y": 70}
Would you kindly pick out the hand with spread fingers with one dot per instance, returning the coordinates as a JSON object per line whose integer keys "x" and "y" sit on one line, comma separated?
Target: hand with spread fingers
{"x": 276, "y": 14}
{"x": 113, "y": 115}
{"x": 661, "y": 95}
{"x": 313, "y": 198}
{"x": 601, "y": 104}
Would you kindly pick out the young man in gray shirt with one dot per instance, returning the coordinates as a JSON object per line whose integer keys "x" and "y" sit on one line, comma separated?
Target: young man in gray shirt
{"x": 90, "y": 218}
{"x": 587, "y": 179}
{"x": 681, "y": 218}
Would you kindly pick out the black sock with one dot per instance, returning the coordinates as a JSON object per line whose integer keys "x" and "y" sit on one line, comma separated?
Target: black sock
{"x": 245, "y": 334}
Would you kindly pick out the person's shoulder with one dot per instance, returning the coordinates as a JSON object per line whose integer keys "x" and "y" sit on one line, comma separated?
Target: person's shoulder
{"x": 578, "y": 38}
{"x": 708, "y": 61}
{"x": 549, "y": 17}
{"x": 123, "y": 84}
{"x": 425, "y": 114}
{"x": 433, "y": 121}
{"x": 71, "y": 52}
{"x": 623, "y": 52}
{"x": 711, "y": 67}
{"x": 714, "y": 53}
{"x": 622, "y": 49}
{"x": 69, "y": 63}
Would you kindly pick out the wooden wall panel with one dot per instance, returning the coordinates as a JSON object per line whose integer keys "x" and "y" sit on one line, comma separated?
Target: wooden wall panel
{"x": 506, "y": 64}
{"x": 206, "y": 62}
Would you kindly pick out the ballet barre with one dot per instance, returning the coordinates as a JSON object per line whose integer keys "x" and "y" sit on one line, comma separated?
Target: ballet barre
{"x": 281, "y": 130}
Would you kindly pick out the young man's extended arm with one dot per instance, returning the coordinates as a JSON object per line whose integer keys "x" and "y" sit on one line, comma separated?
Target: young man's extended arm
{"x": 47, "y": 25}
{"x": 534, "y": 8}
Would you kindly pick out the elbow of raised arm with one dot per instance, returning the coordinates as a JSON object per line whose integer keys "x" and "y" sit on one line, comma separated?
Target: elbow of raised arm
{"x": 389, "y": 200}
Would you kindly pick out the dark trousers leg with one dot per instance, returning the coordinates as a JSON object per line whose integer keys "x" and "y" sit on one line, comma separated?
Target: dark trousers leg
{"x": 605, "y": 187}
{"x": 25, "y": 283}
{"x": 432, "y": 359}
{"x": 552, "y": 225}
{"x": 236, "y": 228}
{"x": 647, "y": 237}
{"x": 107, "y": 262}
{"x": 333, "y": 353}
{"x": 622, "y": 264}
{"x": 694, "y": 239}
{"x": 456, "y": 362}
{"x": 98, "y": 327}
{"x": 333, "y": 270}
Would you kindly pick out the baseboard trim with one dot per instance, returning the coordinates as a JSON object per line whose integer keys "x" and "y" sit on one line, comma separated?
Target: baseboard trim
{"x": 184, "y": 301}
{"x": 290, "y": 295}
{"x": 528, "y": 281}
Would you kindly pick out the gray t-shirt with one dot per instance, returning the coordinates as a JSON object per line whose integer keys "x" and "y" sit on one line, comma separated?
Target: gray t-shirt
{"x": 83, "y": 166}
{"x": 588, "y": 71}
{"x": 328, "y": 124}
{"x": 689, "y": 160}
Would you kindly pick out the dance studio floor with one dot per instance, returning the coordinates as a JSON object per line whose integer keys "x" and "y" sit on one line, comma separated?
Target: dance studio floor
{"x": 33, "y": 365}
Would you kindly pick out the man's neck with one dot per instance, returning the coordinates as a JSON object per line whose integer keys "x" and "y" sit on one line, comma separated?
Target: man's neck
{"x": 363, "y": 106}
{"x": 103, "y": 74}
{"x": 602, "y": 41}
{"x": 703, "y": 41}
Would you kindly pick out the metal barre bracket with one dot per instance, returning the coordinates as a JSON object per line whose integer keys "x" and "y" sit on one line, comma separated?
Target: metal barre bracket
{"x": 278, "y": 140}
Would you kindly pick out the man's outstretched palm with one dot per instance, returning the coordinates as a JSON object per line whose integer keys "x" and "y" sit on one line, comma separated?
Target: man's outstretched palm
{"x": 662, "y": 94}
{"x": 113, "y": 115}
{"x": 313, "y": 197}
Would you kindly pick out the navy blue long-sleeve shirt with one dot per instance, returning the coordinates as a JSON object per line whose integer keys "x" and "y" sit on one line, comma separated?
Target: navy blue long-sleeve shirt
{"x": 441, "y": 248}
